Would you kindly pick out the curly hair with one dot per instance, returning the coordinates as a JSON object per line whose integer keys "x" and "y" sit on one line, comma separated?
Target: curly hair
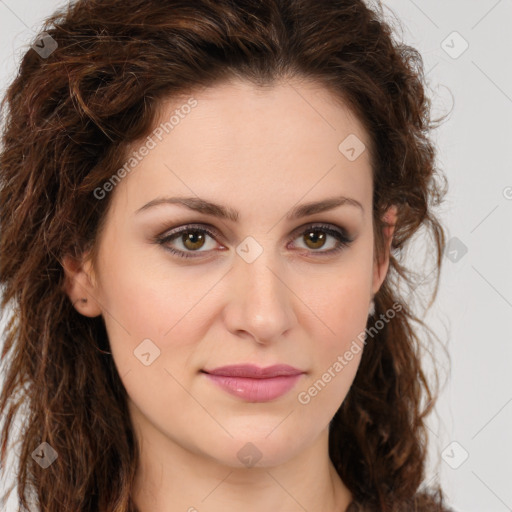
{"x": 70, "y": 117}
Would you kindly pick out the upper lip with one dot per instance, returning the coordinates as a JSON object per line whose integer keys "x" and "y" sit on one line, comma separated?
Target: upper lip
{"x": 255, "y": 372}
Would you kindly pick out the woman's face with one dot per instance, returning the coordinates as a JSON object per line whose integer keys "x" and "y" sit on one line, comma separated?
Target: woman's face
{"x": 263, "y": 289}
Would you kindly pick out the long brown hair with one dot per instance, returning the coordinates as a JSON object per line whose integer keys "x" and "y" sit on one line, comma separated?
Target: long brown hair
{"x": 69, "y": 119}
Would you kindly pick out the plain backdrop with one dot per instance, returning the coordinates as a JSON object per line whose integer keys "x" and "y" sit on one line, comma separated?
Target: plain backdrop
{"x": 466, "y": 50}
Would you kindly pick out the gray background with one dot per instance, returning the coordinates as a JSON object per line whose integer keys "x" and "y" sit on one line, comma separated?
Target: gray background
{"x": 470, "y": 434}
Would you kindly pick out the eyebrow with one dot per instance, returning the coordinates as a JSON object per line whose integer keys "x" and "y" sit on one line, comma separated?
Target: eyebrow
{"x": 206, "y": 207}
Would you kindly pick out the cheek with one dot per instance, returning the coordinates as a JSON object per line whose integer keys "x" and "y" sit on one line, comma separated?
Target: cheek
{"x": 338, "y": 333}
{"x": 336, "y": 357}
{"x": 136, "y": 308}
{"x": 156, "y": 313}
{"x": 340, "y": 305}
{"x": 142, "y": 294}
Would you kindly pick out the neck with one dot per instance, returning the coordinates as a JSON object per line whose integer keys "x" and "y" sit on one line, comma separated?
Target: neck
{"x": 171, "y": 478}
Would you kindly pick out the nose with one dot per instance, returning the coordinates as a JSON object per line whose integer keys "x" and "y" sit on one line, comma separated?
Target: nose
{"x": 261, "y": 301}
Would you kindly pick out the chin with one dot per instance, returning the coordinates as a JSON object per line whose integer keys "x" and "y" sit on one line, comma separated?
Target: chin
{"x": 252, "y": 449}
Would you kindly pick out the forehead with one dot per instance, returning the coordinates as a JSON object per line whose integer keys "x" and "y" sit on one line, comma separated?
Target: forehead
{"x": 276, "y": 143}
{"x": 242, "y": 111}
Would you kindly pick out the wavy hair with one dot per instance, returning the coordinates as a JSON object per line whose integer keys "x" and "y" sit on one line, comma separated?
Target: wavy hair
{"x": 70, "y": 118}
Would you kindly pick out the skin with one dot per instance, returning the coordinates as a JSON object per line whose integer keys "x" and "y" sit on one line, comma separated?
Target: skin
{"x": 261, "y": 152}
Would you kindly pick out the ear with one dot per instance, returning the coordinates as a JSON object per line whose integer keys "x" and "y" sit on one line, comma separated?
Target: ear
{"x": 79, "y": 285}
{"x": 380, "y": 269}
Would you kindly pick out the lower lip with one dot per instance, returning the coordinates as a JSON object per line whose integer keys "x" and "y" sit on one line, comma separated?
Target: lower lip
{"x": 256, "y": 390}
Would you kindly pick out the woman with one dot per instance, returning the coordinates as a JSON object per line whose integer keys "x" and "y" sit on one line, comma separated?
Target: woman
{"x": 175, "y": 179}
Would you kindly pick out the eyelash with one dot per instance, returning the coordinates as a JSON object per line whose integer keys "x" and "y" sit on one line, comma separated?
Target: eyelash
{"x": 343, "y": 240}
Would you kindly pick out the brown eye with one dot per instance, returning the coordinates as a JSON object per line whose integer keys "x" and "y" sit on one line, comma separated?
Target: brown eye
{"x": 316, "y": 237}
{"x": 193, "y": 240}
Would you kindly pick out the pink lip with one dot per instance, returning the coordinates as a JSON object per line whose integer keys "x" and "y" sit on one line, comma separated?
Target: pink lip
{"x": 255, "y": 384}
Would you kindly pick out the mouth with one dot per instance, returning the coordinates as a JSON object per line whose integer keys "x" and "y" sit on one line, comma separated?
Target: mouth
{"x": 254, "y": 384}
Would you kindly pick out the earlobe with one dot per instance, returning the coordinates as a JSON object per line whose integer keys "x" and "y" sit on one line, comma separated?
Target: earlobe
{"x": 79, "y": 286}
{"x": 380, "y": 269}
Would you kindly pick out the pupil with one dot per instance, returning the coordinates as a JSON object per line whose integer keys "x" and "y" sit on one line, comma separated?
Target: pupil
{"x": 315, "y": 237}
{"x": 193, "y": 237}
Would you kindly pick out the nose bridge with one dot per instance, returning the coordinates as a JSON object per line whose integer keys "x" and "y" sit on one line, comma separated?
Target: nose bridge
{"x": 263, "y": 299}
